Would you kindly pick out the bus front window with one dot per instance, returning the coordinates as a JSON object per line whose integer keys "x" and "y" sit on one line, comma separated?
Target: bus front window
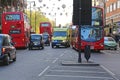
{"x": 91, "y": 34}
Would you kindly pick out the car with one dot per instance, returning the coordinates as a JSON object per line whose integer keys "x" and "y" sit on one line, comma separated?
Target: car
{"x": 110, "y": 43}
{"x": 36, "y": 41}
{"x": 46, "y": 39}
{"x": 7, "y": 49}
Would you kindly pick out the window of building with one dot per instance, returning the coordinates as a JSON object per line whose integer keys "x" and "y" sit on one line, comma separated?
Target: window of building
{"x": 110, "y": 8}
{"x": 106, "y": 0}
{"x": 118, "y": 4}
{"x": 114, "y": 6}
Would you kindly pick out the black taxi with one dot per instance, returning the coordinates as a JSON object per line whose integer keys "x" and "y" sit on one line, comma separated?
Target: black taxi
{"x": 36, "y": 41}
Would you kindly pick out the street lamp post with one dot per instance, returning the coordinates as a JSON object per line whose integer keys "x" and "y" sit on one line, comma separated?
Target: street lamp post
{"x": 30, "y": 9}
{"x": 36, "y": 14}
{"x": 35, "y": 20}
{"x": 23, "y": 6}
{"x": 55, "y": 19}
{"x": 18, "y": 5}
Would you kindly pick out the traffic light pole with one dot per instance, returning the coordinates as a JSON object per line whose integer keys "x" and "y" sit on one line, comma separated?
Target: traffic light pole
{"x": 79, "y": 34}
{"x": 79, "y": 51}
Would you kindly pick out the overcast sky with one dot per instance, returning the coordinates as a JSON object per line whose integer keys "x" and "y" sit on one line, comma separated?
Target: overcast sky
{"x": 56, "y": 9}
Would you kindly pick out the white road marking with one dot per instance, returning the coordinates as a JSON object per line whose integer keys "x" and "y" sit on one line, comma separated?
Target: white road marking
{"x": 55, "y": 60}
{"x": 79, "y": 76}
{"x": 77, "y": 71}
{"x": 61, "y": 55}
{"x": 112, "y": 74}
{"x": 44, "y": 71}
{"x": 107, "y": 70}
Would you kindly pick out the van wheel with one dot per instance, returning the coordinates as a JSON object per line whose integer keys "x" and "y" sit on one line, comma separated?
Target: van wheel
{"x": 6, "y": 60}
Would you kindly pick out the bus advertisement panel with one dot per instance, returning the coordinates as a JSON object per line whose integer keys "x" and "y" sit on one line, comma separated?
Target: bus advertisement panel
{"x": 92, "y": 35}
{"x": 16, "y": 24}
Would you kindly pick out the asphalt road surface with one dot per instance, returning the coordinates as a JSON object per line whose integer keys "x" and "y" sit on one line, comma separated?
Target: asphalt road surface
{"x": 46, "y": 65}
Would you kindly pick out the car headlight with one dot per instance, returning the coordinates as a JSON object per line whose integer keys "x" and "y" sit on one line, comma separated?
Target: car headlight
{"x": 64, "y": 41}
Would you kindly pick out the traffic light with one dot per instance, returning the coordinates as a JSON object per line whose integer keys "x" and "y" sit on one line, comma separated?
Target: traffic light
{"x": 82, "y": 12}
{"x": 75, "y": 17}
{"x": 86, "y": 12}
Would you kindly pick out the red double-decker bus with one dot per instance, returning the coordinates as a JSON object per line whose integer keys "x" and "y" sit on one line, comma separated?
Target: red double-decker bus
{"x": 46, "y": 27}
{"x": 92, "y": 35}
{"x": 16, "y": 24}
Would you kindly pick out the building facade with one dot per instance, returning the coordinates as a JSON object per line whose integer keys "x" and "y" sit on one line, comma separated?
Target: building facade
{"x": 113, "y": 16}
{"x": 11, "y": 6}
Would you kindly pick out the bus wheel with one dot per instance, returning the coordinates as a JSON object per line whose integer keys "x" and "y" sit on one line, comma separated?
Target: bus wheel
{"x": 72, "y": 47}
{"x": 98, "y": 51}
{"x": 26, "y": 46}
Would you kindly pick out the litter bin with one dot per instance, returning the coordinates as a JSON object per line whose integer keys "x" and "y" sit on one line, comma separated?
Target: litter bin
{"x": 87, "y": 52}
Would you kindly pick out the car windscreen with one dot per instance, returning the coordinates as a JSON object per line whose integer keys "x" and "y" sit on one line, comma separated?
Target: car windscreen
{"x": 109, "y": 39}
{"x": 45, "y": 36}
{"x": 91, "y": 34}
{"x": 59, "y": 33}
{"x": 36, "y": 37}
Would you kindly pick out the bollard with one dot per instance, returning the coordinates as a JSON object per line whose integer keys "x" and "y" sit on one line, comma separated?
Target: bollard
{"x": 87, "y": 52}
